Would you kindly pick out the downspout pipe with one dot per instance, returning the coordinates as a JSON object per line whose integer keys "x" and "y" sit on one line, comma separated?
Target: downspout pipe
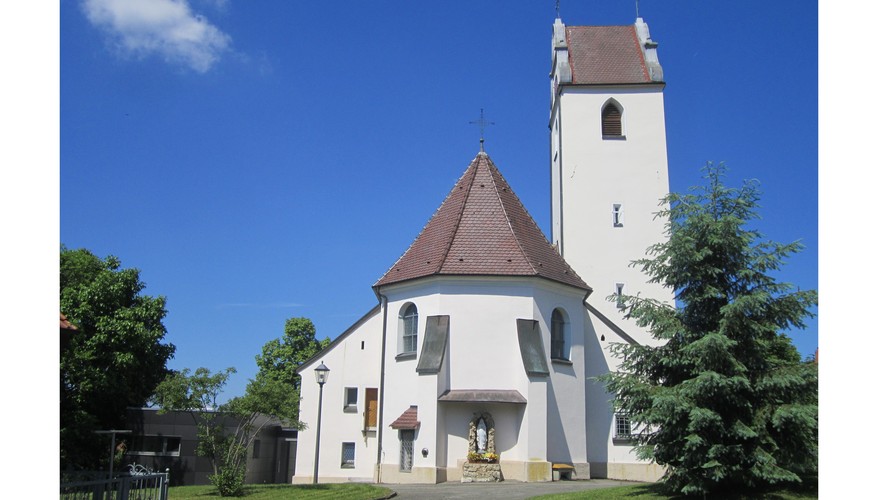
{"x": 378, "y": 461}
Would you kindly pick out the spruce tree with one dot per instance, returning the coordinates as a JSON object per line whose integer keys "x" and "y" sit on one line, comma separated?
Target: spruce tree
{"x": 724, "y": 402}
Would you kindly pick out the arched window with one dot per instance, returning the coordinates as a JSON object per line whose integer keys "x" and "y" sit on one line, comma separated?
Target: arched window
{"x": 560, "y": 335}
{"x": 408, "y": 322}
{"x": 611, "y": 120}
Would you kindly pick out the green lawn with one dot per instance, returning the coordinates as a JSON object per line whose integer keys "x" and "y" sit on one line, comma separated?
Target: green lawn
{"x": 652, "y": 491}
{"x": 285, "y": 491}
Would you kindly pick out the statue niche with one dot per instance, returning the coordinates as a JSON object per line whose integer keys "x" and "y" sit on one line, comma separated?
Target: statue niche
{"x": 481, "y": 433}
{"x": 478, "y": 467}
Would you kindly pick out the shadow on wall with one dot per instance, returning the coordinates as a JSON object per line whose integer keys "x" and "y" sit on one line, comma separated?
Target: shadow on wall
{"x": 598, "y": 402}
{"x": 557, "y": 449}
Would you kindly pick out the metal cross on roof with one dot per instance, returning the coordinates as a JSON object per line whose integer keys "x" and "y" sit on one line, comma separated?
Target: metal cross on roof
{"x": 482, "y": 123}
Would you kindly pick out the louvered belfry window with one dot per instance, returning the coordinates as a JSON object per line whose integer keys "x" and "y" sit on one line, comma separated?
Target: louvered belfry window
{"x": 611, "y": 121}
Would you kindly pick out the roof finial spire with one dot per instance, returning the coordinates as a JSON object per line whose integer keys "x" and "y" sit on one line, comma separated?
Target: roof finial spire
{"x": 558, "y": 9}
{"x": 636, "y": 8}
{"x": 482, "y": 123}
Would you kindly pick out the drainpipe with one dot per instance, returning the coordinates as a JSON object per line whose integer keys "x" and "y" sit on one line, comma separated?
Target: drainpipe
{"x": 383, "y": 300}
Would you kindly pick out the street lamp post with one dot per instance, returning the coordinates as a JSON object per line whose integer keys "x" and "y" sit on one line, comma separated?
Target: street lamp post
{"x": 112, "y": 433}
{"x": 322, "y": 375}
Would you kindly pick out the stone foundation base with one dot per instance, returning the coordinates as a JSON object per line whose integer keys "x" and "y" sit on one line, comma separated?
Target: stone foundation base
{"x": 481, "y": 473}
{"x": 331, "y": 479}
{"x": 391, "y": 474}
{"x": 627, "y": 471}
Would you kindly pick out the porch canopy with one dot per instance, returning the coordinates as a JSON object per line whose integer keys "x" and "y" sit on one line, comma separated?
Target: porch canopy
{"x": 482, "y": 396}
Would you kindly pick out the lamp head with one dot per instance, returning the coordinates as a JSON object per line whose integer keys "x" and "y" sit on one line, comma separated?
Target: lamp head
{"x": 321, "y": 373}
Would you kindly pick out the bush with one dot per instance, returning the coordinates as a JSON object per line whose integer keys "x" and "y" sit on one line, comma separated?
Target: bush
{"x": 229, "y": 482}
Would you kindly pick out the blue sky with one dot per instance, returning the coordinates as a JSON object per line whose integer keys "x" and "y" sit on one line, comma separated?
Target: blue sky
{"x": 263, "y": 160}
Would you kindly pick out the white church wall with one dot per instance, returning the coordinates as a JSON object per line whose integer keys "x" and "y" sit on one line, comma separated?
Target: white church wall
{"x": 353, "y": 363}
{"x": 565, "y": 397}
{"x": 608, "y": 456}
{"x": 594, "y": 174}
{"x": 482, "y": 353}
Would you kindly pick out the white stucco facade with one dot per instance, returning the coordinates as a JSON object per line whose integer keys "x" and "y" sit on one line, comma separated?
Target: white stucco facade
{"x": 352, "y": 361}
{"x": 482, "y": 352}
{"x": 606, "y": 191}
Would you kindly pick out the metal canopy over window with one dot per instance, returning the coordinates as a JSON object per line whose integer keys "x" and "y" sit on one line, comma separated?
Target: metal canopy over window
{"x": 530, "y": 341}
{"x": 433, "y": 348}
{"x": 482, "y": 396}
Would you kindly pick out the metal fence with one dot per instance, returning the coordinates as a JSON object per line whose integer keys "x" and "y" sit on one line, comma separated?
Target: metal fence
{"x": 139, "y": 485}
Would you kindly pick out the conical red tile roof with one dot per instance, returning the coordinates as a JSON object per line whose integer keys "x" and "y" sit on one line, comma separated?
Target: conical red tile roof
{"x": 481, "y": 229}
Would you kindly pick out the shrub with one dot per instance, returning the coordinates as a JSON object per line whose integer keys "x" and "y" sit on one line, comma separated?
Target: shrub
{"x": 229, "y": 482}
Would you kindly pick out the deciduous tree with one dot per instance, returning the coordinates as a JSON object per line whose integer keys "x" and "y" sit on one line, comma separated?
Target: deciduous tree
{"x": 281, "y": 357}
{"x": 225, "y": 431}
{"x": 725, "y": 402}
{"x": 116, "y": 357}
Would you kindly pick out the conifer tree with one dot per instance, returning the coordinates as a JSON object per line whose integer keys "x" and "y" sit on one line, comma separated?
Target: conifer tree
{"x": 724, "y": 402}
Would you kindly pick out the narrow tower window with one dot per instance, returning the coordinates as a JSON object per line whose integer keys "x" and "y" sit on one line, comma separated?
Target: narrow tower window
{"x": 617, "y": 215}
{"x": 620, "y": 289}
{"x": 611, "y": 120}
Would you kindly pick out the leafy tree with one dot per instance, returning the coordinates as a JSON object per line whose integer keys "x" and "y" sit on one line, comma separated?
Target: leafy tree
{"x": 281, "y": 357}
{"x": 225, "y": 431}
{"x": 273, "y": 393}
{"x": 114, "y": 360}
{"x": 725, "y": 401}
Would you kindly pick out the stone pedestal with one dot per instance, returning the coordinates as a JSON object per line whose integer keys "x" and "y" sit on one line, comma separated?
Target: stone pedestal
{"x": 481, "y": 473}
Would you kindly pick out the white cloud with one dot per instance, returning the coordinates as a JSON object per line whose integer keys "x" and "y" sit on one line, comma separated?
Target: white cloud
{"x": 165, "y": 27}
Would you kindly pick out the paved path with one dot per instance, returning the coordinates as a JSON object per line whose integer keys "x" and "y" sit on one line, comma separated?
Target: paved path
{"x": 507, "y": 490}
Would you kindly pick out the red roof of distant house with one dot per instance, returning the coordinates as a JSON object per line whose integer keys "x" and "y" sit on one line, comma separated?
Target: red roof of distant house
{"x": 606, "y": 55}
{"x": 67, "y": 325}
{"x": 481, "y": 229}
{"x": 408, "y": 419}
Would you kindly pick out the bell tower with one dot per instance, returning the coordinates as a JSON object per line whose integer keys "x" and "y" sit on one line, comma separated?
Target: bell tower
{"x": 609, "y": 166}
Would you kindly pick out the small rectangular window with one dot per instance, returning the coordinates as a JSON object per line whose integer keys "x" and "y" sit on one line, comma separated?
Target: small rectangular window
{"x": 350, "y": 399}
{"x": 620, "y": 289}
{"x": 347, "y": 455}
{"x": 406, "y": 450}
{"x": 618, "y": 219}
{"x": 623, "y": 426}
{"x": 256, "y": 446}
{"x": 155, "y": 445}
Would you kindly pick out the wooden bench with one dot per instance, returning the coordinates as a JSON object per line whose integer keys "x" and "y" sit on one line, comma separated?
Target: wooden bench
{"x": 562, "y": 471}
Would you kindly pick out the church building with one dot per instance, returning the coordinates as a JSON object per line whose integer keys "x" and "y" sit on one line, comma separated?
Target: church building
{"x": 477, "y": 362}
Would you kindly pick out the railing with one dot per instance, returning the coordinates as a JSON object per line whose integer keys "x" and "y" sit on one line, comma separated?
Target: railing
{"x": 138, "y": 484}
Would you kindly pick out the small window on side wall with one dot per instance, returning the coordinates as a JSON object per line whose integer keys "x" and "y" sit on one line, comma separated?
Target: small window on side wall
{"x": 623, "y": 427}
{"x": 611, "y": 120}
{"x": 350, "y": 399}
{"x": 620, "y": 289}
{"x": 348, "y": 451}
{"x": 618, "y": 219}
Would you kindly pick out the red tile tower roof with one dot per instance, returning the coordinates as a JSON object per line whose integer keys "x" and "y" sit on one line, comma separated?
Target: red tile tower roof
{"x": 606, "y": 55}
{"x": 481, "y": 229}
